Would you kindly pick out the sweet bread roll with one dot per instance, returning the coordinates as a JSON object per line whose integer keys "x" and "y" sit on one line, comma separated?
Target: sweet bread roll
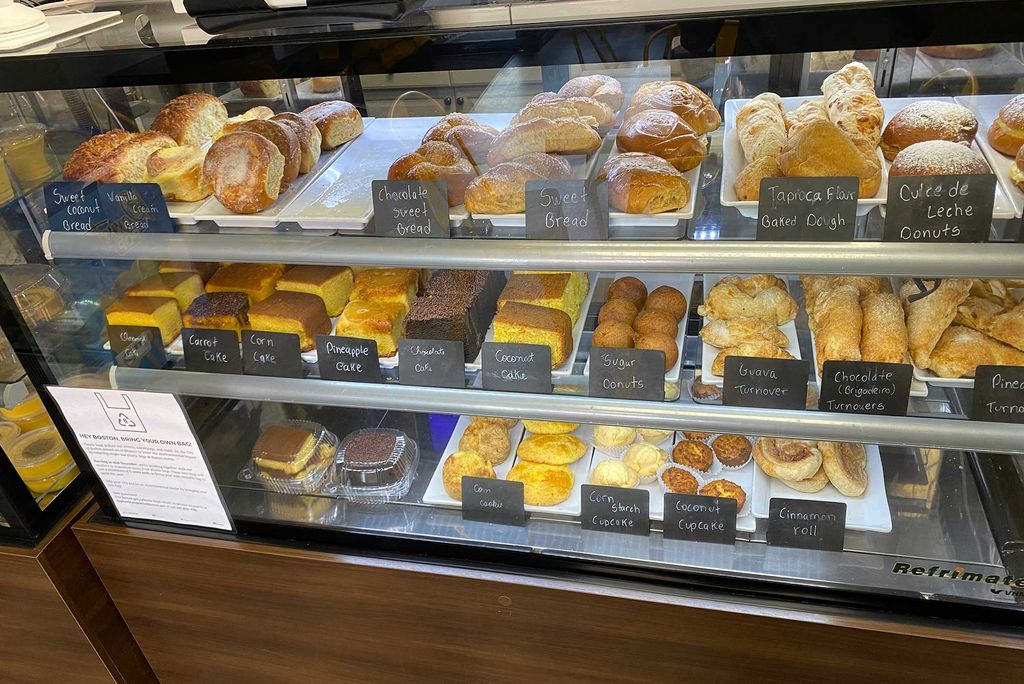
{"x": 845, "y": 464}
{"x": 736, "y": 331}
{"x": 788, "y": 459}
{"x": 502, "y": 189}
{"x": 245, "y": 171}
{"x": 470, "y": 137}
{"x": 598, "y": 86}
{"x": 937, "y": 158}
{"x": 928, "y": 120}
{"x": 326, "y": 84}
{"x": 808, "y": 112}
{"x": 686, "y": 100}
{"x": 821, "y": 149}
{"x": 337, "y": 120}
{"x": 928, "y": 315}
{"x": 309, "y": 138}
{"x": 91, "y": 153}
{"x": 961, "y": 350}
{"x": 760, "y": 350}
{"x": 191, "y": 119}
{"x": 853, "y": 106}
{"x": 1006, "y": 133}
{"x": 286, "y": 141}
{"x": 640, "y": 183}
{"x": 179, "y": 173}
{"x": 662, "y": 134}
{"x": 566, "y": 135}
{"x": 262, "y": 88}
{"x": 554, "y": 106}
{"x": 436, "y": 161}
{"x": 124, "y": 162}
{"x": 258, "y": 112}
{"x": 884, "y": 330}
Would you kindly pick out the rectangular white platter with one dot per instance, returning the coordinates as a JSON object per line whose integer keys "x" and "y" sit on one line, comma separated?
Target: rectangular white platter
{"x": 868, "y": 512}
{"x": 986, "y": 109}
{"x": 435, "y": 494}
{"x": 666, "y": 218}
{"x": 565, "y": 369}
{"x": 270, "y": 217}
{"x": 1002, "y": 206}
{"x": 708, "y": 353}
{"x": 733, "y": 162}
{"x": 342, "y": 198}
{"x": 680, "y": 281}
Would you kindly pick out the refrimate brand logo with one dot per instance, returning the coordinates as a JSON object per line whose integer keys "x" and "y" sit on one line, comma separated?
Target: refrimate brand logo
{"x": 961, "y": 574}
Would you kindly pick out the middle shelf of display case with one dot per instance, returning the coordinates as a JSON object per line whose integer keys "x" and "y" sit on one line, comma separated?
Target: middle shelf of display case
{"x": 982, "y": 260}
{"x": 945, "y": 433}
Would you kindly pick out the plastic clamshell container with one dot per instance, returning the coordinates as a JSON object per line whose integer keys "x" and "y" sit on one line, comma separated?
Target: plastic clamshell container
{"x": 376, "y": 465}
{"x": 53, "y": 483}
{"x": 29, "y": 415}
{"x": 280, "y": 444}
{"x": 39, "y": 291}
{"x": 8, "y": 433}
{"x": 42, "y": 459}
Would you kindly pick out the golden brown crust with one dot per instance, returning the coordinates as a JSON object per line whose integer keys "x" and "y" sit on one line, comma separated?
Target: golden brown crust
{"x": 845, "y": 465}
{"x": 432, "y": 161}
{"x": 1007, "y": 131}
{"x": 821, "y": 149}
{"x": 736, "y": 331}
{"x": 123, "y": 163}
{"x": 663, "y": 134}
{"x": 292, "y": 312}
{"x": 629, "y": 288}
{"x": 463, "y": 464}
{"x": 502, "y": 190}
{"x": 565, "y": 135}
{"x": 929, "y": 315}
{"x": 686, "y": 100}
{"x": 258, "y": 112}
{"x": 640, "y": 183}
{"x": 598, "y": 86}
{"x": 659, "y": 342}
{"x": 518, "y": 322}
{"x": 656, "y": 321}
{"x": 668, "y": 299}
{"x": 191, "y": 119}
{"x": 337, "y": 120}
{"x": 549, "y": 427}
{"x": 286, "y": 141}
{"x": 471, "y": 138}
{"x": 490, "y": 440}
{"x": 554, "y": 106}
{"x": 837, "y": 324}
{"x": 977, "y": 313}
{"x": 747, "y": 184}
{"x": 179, "y": 173}
{"x": 621, "y": 310}
{"x": 761, "y": 350}
{"x": 1008, "y": 327}
{"x": 613, "y": 334}
{"x": 961, "y": 350}
{"x": 787, "y": 459}
{"x": 731, "y": 450}
{"x": 928, "y": 120}
{"x": 679, "y": 481}
{"x": 884, "y": 332}
{"x": 694, "y": 454}
{"x": 728, "y": 300}
{"x": 245, "y": 171}
{"x": 551, "y": 449}
{"x": 91, "y": 153}
{"x": 725, "y": 489}
{"x": 543, "y": 484}
{"x": 308, "y": 136}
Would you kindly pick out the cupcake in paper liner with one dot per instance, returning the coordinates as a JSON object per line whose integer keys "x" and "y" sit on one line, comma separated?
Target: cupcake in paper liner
{"x": 645, "y": 459}
{"x": 722, "y": 488}
{"x": 655, "y": 436}
{"x": 613, "y": 440}
{"x": 696, "y": 455}
{"x": 679, "y": 479}
{"x": 612, "y": 472}
{"x": 732, "y": 451}
{"x": 695, "y": 435}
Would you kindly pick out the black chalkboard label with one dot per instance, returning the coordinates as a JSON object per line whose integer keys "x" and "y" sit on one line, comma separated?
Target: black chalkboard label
{"x": 271, "y": 353}
{"x": 566, "y": 210}
{"x": 434, "y": 363}
{"x": 765, "y": 383}
{"x": 494, "y": 501}
{"x": 135, "y": 208}
{"x": 613, "y": 509}
{"x": 939, "y": 208}
{"x": 516, "y": 367}
{"x": 414, "y": 209}
{"x": 865, "y": 387}
{"x": 700, "y": 518}
{"x": 999, "y": 394}
{"x": 73, "y": 207}
{"x": 211, "y": 351}
{"x": 347, "y": 358}
{"x": 807, "y": 209}
{"x": 137, "y": 346}
{"x": 627, "y": 373}
{"x": 807, "y": 524}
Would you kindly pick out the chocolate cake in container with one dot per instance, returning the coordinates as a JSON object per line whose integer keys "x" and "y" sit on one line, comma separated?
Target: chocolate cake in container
{"x": 376, "y": 465}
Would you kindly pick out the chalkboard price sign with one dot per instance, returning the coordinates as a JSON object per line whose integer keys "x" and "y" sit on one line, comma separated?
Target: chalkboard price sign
{"x": 73, "y": 207}
{"x": 807, "y": 524}
{"x": 135, "y": 208}
{"x": 865, "y": 387}
{"x": 566, "y": 210}
{"x": 613, "y": 509}
{"x": 413, "y": 209}
{"x": 494, "y": 501}
{"x": 137, "y": 346}
{"x": 999, "y": 394}
{"x": 349, "y": 359}
{"x": 516, "y": 367}
{"x": 765, "y": 383}
{"x": 808, "y": 209}
{"x": 270, "y": 353}
{"x": 434, "y": 363}
{"x": 939, "y": 208}
{"x": 700, "y": 518}
{"x": 627, "y": 374}
{"x": 211, "y": 351}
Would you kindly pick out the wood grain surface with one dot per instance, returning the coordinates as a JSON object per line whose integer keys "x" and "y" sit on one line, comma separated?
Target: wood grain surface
{"x": 57, "y": 623}
{"x": 213, "y": 611}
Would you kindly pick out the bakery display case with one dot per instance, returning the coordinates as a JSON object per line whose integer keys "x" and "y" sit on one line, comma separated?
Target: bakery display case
{"x": 727, "y": 300}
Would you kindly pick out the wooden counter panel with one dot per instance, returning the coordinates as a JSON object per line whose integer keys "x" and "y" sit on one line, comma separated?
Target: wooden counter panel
{"x": 212, "y": 611}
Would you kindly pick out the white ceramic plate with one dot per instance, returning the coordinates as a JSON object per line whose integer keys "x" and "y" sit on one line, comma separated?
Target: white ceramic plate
{"x": 680, "y": 281}
{"x": 868, "y": 512}
{"x": 577, "y": 332}
{"x": 708, "y": 353}
{"x": 733, "y": 162}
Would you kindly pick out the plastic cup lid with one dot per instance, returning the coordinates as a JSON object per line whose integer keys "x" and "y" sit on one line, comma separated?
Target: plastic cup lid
{"x": 36, "y": 447}
{"x": 13, "y": 133}
{"x": 8, "y": 432}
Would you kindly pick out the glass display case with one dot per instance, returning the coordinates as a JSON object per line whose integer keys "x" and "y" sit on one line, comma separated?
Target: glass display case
{"x": 760, "y": 259}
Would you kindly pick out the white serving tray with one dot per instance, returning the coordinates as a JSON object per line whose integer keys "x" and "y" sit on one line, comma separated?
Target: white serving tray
{"x": 733, "y": 162}
{"x": 708, "y": 352}
{"x": 666, "y": 218}
{"x": 577, "y": 333}
{"x": 270, "y": 217}
{"x": 868, "y": 512}
{"x": 1002, "y": 207}
{"x": 680, "y": 281}
{"x": 435, "y": 494}
{"x": 986, "y": 109}
{"x": 342, "y": 199}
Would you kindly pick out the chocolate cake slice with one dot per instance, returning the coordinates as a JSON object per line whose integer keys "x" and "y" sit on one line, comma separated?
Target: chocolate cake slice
{"x": 456, "y": 306}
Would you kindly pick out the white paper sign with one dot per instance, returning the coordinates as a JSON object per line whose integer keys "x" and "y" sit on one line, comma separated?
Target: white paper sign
{"x": 142, "y": 447}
